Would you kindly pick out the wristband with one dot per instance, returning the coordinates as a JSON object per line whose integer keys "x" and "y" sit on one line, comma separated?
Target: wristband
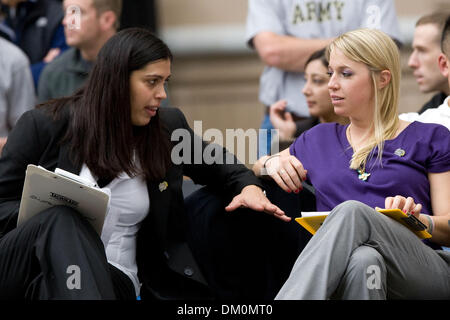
{"x": 430, "y": 224}
{"x": 273, "y": 156}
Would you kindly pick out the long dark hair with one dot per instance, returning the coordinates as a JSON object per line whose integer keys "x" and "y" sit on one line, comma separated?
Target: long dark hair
{"x": 101, "y": 133}
{"x": 318, "y": 55}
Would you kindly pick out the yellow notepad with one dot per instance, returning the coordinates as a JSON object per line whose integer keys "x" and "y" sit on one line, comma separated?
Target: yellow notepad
{"x": 312, "y": 221}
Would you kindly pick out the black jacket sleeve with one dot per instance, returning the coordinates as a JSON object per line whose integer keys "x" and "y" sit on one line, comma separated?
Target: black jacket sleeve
{"x": 13, "y": 162}
{"x": 30, "y": 142}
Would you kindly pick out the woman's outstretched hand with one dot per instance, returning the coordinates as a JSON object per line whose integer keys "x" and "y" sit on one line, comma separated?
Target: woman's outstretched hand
{"x": 252, "y": 197}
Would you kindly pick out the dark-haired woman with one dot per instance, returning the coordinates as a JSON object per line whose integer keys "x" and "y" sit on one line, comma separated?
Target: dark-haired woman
{"x": 318, "y": 99}
{"x": 114, "y": 133}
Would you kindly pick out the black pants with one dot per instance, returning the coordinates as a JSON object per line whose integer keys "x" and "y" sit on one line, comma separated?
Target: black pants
{"x": 245, "y": 254}
{"x": 58, "y": 255}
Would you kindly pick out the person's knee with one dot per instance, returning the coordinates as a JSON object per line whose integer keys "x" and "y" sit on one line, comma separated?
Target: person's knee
{"x": 351, "y": 205}
{"x": 59, "y": 215}
{"x": 355, "y": 217}
{"x": 352, "y": 209}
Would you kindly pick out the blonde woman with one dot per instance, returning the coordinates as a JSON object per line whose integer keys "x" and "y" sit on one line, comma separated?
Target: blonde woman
{"x": 374, "y": 157}
{"x": 317, "y": 97}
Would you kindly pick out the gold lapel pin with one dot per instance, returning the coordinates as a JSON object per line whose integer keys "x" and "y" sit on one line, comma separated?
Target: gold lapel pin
{"x": 163, "y": 186}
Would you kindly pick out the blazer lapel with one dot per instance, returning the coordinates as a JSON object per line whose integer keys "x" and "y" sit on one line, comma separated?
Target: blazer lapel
{"x": 159, "y": 209}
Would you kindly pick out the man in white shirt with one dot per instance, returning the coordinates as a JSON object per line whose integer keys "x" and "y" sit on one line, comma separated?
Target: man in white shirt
{"x": 423, "y": 59}
{"x": 440, "y": 114}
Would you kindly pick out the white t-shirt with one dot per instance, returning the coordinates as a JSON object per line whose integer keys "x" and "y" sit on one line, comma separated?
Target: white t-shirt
{"x": 311, "y": 19}
{"x": 439, "y": 115}
{"x": 129, "y": 205}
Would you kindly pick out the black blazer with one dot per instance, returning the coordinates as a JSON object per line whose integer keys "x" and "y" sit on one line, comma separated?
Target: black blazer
{"x": 166, "y": 266}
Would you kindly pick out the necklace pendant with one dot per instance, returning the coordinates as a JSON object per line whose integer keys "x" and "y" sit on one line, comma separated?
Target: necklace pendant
{"x": 363, "y": 175}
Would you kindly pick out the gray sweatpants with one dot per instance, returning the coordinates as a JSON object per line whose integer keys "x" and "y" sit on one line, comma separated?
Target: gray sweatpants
{"x": 359, "y": 253}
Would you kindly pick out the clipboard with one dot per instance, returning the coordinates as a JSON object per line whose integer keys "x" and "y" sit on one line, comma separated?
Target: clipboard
{"x": 408, "y": 220}
{"x": 312, "y": 221}
{"x": 44, "y": 189}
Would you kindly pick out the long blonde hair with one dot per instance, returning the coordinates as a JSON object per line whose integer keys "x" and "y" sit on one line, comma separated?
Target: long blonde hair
{"x": 378, "y": 52}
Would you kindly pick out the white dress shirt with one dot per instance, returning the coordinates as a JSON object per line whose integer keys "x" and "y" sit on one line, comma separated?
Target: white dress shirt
{"x": 129, "y": 205}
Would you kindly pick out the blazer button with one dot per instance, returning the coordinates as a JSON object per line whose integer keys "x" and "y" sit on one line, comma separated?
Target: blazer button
{"x": 188, "y": 271}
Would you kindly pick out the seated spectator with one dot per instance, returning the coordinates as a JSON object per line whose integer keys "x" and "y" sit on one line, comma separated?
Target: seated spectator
{"x": 99, "y": 22}
{"x": 317, "y": 98}
{"x": 377, "y": 155}
{"x": 35, "y": 26}
{"x": 114, "y": 132}
{"x": 423, "y": 60}
{"x": 16, "y": 87}
{"x": 441, "y": 113}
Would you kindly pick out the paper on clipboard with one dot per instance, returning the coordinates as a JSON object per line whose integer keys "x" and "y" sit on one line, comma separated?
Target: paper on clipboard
{"x": 312, "y": 221}
{"x": 44, "y": 189}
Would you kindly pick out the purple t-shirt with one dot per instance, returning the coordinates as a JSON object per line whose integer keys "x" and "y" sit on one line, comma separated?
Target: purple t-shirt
{"x": 419, "y": 149}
